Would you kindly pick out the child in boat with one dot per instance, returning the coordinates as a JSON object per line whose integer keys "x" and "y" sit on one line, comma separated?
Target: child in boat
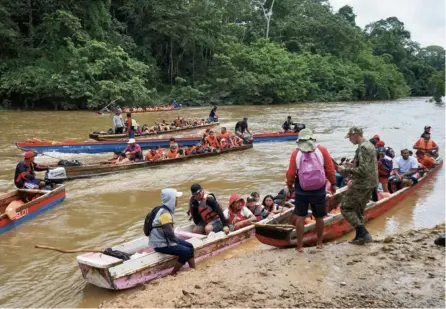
{"x": 237, "y": 215}
{"x": 259, "y": 211}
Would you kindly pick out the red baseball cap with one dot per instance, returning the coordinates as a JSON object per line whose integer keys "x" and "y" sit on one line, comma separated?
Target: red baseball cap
{"x": 380, "y": 144}
{"x": 29, "y": 155}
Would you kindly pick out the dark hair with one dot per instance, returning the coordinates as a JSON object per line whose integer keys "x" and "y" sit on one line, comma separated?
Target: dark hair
{"x": 129, "y": 114}
{"x": 343, "y": 159}
{"x": 181, "y": 151}
{"x": 267, "y": 196}
{"x": 172, "y": 139}
{"x": 250, "y": 199}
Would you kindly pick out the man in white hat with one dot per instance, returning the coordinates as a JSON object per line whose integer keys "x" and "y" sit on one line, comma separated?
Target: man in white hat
{"x": 133, "y": 151}
{"x": 310, "y": 167}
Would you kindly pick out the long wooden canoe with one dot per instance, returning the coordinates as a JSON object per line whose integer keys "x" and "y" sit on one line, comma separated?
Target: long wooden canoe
{"x": 108, "y": 137}
{"x": 115, "y": 146}
{"x": 145, "y": 264}
{"x": 168, "y": 109}
{"x": 43, "y": 200}
{"x": 104, "y": 168}
{"x": 335, "y": 226}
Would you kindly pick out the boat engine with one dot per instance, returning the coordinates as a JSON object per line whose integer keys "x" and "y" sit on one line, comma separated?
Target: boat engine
{"x": 54, "y": 176}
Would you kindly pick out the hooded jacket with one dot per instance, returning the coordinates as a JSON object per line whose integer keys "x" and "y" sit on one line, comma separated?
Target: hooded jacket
{"x": 162, "y": 235}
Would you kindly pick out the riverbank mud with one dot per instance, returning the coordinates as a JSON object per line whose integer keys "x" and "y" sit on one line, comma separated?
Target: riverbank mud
{"x": 403, "y": 270}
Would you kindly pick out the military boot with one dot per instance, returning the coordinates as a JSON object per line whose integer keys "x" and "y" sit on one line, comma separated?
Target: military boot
{"x": 363, "y": 237}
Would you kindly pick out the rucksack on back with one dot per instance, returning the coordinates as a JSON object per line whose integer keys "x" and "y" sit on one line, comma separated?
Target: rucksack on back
{"x": 148, "y": 222}
{"x": 311, "y": 172}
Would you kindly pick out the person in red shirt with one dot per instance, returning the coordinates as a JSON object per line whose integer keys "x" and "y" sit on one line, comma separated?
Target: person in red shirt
{"x": 25, "y": 176}
{"x": 152, "y": 155}
{"x": 425, "y": 160}
{"x": 306, "y": 147}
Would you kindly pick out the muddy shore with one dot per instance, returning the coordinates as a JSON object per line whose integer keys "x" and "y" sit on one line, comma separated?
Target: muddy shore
{"x": 404, "y": 270}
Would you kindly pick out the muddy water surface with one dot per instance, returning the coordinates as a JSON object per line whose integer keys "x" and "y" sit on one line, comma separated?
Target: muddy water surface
{"x": 104, "y": 211}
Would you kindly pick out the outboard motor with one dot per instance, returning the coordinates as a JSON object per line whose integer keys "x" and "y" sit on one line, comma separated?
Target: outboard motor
{"x": 54, "y": 176}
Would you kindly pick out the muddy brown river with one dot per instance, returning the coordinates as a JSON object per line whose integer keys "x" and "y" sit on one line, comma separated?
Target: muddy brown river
{"x": 104, "y": 211}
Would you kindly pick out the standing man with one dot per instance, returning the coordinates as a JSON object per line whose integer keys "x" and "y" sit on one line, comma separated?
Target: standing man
{"x": 364, "y": 172}
{"x": 25, "y": 176}
{"x": 241, "y": 127}
{"x": 118, "y": 123}
{"x": 310, "y": 166}
{"x": 212, "y": 115}
{"x": 131, "y": 126}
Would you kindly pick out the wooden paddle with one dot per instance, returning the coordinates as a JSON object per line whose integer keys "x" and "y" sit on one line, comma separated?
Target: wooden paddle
{"x": 69, "y": 251}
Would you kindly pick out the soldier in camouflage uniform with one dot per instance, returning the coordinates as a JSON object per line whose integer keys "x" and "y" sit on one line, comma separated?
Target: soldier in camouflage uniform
{"x": 364, "y": 174}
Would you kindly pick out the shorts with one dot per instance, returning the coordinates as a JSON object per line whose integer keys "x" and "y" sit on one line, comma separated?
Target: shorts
{"x": 31, "y": 184}
{"x": 217, "y": 225}
{"x": 411, "y": 178}
{"x": 317, "y": 203}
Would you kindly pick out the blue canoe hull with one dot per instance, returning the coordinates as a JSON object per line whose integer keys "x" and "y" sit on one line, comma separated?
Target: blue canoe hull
{"x": 118, "y": 146}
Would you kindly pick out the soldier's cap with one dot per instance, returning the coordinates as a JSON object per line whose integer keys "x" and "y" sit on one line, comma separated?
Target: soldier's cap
{"x": 354, "y": 130}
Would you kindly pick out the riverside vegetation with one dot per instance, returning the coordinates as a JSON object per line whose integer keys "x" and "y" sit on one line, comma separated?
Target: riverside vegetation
{"x": 82, "y": 54}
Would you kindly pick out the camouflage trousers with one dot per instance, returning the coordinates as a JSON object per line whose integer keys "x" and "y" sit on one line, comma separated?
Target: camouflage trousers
{"x": 353, "y": 204}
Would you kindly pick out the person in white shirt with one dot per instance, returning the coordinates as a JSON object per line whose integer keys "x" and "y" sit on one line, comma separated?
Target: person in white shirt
{"x": 118, "y": 123}
{"x": 404, "y": 169}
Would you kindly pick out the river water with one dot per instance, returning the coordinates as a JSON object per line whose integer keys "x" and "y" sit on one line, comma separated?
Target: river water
{"x": 104, "y": 211}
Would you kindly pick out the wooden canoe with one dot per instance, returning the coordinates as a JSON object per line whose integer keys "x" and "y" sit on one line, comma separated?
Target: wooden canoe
{"x": 44, "y": 200}
{"x": 112, "y": 273}
{"x": 335, "y": 226}
{"x": 167, "y": 109}
{"x": 104, "y": 168}
{"x": 107, "y": 137}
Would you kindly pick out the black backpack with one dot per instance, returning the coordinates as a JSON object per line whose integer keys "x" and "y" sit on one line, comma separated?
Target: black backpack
{"x": 148, "y": 222}
{"x": 69, "y": 163}
{"x": 390, "y": 153}
{"x": 117, "y": 254}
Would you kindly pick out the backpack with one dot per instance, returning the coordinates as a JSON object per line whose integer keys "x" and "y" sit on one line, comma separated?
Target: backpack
{"x": 311, "y": 172}
{"x": 148, "y": 222}
{"x": 390, "y": 153}
{"x": 299, "y": 127}
{"x": 69, "y": 163}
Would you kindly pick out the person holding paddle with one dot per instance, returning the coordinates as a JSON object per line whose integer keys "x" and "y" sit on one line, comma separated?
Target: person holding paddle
{"x": 310, "y": 166}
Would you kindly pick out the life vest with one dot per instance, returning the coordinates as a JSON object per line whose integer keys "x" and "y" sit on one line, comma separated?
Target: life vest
{"x": 207, "y": 214}
{"x": 213, "y": 142}
{"x": 259, "y": 212}
{"x": 426, "y": 147}
{"x": 132, "y": 124}
{"x": 172, "y": 154}
{"x": 20, "y": 177}
{"x": 225, "y": 135}
{"x": 235, "y": 218}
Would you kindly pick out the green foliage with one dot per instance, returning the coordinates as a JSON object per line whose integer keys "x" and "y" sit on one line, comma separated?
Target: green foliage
{"x": 85, "y": 53}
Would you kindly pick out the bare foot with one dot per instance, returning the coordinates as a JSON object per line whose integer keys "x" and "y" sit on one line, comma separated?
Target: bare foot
{"x": 300, "y": 249}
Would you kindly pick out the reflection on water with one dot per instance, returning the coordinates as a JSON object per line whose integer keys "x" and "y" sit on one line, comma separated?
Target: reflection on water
{"x": 101, "y": 212}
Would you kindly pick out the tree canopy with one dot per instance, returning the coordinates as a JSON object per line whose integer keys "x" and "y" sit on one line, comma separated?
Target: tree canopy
{"x": 82, "y": 54}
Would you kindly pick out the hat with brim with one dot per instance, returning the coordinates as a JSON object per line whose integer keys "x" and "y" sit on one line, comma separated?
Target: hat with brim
{"x": 131, "y": 141}
{"x": 306, "y": 140}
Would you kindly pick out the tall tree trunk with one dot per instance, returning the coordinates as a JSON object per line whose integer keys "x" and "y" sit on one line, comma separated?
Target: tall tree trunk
{"x": 171, "y": 61}
{"x": 193, "y": 65}
{"x": 30, "y": 22}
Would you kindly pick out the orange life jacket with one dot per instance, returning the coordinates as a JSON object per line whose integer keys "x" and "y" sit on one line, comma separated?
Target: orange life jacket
{"x": 207, "y": 214}
{"x": 426, "y": 147}
{"x": 225, "y": 135}
{"x": 212, "y": 141}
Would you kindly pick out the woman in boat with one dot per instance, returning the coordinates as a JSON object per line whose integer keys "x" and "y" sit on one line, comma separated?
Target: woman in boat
{"x": 259, "y": 211}
{"x": 159, "y": 227}
{"x": 122, "y": 159}
{"x": 385, "y": 167}
{"x": 237, "y": 215}
{"x": 270, "y": 206}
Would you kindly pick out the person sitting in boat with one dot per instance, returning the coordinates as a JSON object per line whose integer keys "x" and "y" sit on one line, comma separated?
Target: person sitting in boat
{"x": 236, "y": 141}
{"x": 159, "y": 227}
{"x": 206, "y": 134}
{"x": 224, "y": 144}
{"x": 115, "y": 157}
{"x": 191, "y": 150}
{"x": 25, "y": 176}
{"x": 123, "y": 158}
{"x": 425, "y": 160}
{"x": 425, "y": 143}
{"x": 404, "y": 169}
{"x": 427, "y": 129}
{"x": 212, "y": 115}
{"x": 287, "y": 126}
{"x": 206, "y": 212}
{"x": 380, "y": 144}
{"x": 152, "y": 155}
{"x": 375, "y": 139}
{"x": 385, "y": 167}
{"x": 237, "y": 215}
{"x": 172, "y": 153}
{"x": 145, "y": 129}
{"x": 172, "y": 141}
{"x": 212, "y": 140}
{"x": 133, "y": 150}
{"x": 259, "y": 211}
{"x": 269, "y": 205}
{"x": 256, "y": 196}
{"x": 224, "y": 133}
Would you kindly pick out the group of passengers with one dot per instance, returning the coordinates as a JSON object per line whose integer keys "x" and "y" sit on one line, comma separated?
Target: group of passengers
{"x": 210, "y": 143}
{"x": 147, "y": 109}
{"x": 397, "y": 172}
